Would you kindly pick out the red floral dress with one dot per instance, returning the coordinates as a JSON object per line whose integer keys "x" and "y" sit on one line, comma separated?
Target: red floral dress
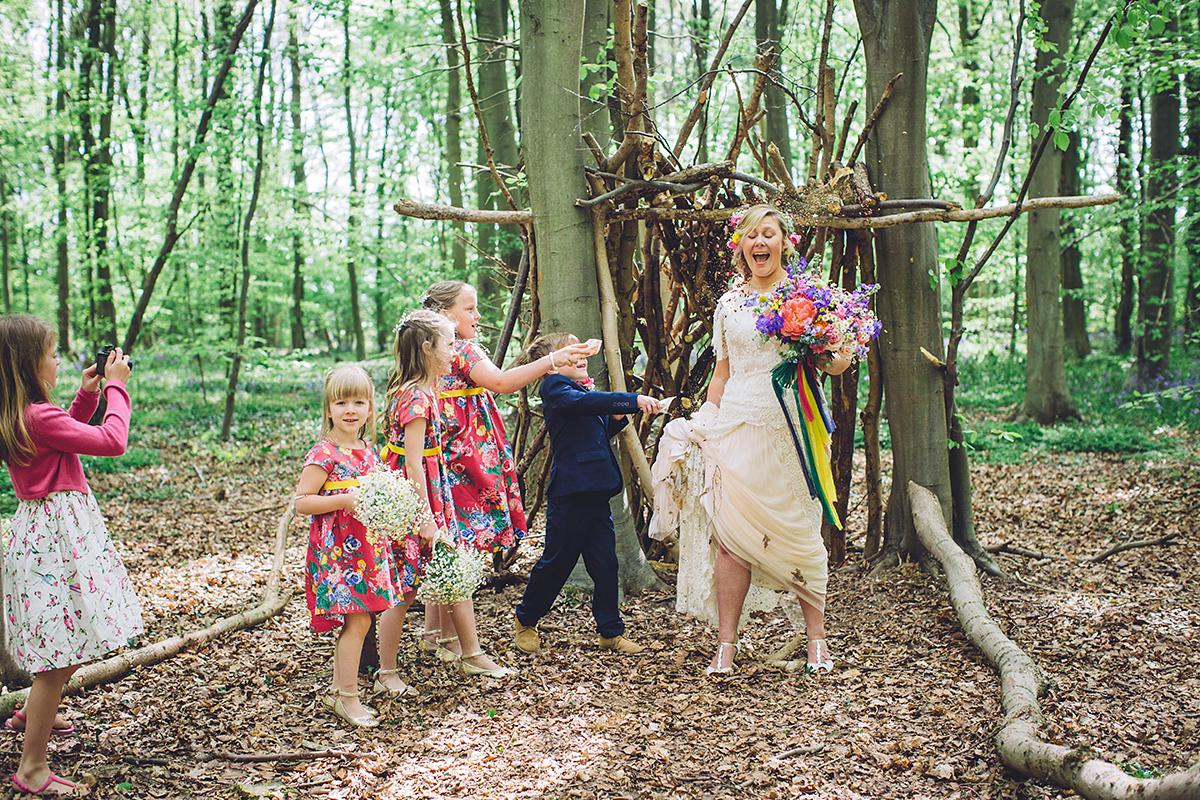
{"x": 483, "y": 477}
{"x": 413, "y": 404}
{"x": 345, "y": 573}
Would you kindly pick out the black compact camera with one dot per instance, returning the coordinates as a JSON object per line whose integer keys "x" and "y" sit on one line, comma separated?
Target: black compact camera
{"x": 102, "y": 358}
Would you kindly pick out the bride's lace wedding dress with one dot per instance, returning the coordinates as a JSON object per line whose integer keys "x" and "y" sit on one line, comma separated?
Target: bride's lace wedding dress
{"x": 730, "y": 475}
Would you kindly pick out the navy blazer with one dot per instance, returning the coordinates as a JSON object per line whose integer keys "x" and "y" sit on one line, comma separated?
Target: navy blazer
{"x": 580, "y": 426}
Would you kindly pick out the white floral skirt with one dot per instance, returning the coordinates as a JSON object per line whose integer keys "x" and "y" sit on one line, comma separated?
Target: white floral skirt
{"x": 67, "y": 596}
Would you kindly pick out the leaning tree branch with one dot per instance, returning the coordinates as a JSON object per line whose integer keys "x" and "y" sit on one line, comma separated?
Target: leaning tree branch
{"x": 871, "y": 120}
{"x": 1121, "y": 548}
{"x": 889, "y": 221}
{"x": 185, "y": 177}
{"x": 411, "y": 208}
{"x": 612, "y": 346}
{"x": 275, "y": 598}
{"x": 1017, "y": 741}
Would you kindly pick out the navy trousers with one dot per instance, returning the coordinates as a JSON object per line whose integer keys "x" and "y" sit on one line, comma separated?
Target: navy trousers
{"x": 576, "y": 524}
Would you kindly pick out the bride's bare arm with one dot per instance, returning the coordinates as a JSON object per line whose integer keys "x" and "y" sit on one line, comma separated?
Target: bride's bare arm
{"x": 716, "y": 387}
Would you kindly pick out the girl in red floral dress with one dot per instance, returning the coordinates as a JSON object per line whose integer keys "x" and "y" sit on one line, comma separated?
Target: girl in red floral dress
{"x": 347, "y": 577}
{"x": 423, "y": 352}
{"x": 482, "y": 476}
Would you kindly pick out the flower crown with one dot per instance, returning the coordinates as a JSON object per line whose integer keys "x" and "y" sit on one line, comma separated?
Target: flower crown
{"x": 784, "y": 217}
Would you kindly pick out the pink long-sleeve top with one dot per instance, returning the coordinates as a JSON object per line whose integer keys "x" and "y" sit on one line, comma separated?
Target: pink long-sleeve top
{"x": 62, "y": 436}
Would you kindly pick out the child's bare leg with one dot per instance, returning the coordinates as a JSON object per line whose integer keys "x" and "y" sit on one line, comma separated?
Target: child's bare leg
{"x": 389, "y": 627}
{"x": 346, "y": 656}
{"x": 463, "y": 614}
{"x": 449, "y": 637}
{"x": 40, "y": 710}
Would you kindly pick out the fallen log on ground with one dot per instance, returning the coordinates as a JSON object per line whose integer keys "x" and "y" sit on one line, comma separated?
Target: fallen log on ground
{"x": 1017, "y": 741}
{"x": 275, "y": 598}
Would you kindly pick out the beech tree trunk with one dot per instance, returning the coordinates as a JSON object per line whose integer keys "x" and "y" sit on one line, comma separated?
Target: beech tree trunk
{"x": 453, "y": 141}
{"x": 768, "y": 23}
{"x": 58, "y": 146}
{"x": 352, "y": 220}
{"x": 1047, "y": 398}
{"x": 1074, "y": 302}
{"x": 491, "y": 57}
{"x": 555, "y": 157}
{"x": 299, "y": 184}
{"x": 1130, "y": 223}
{"x": 1156, "y": 307}
{"x": 896, "y": 36}
{"x": 243, "y": 297}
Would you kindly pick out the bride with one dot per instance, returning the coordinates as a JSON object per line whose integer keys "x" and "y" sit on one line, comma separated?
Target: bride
{"x": 754, "y": 498}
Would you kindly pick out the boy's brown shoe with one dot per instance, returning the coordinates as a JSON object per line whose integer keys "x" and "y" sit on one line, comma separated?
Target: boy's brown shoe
{"x": 526, "y": 636}
{"x": 620, "y": 644}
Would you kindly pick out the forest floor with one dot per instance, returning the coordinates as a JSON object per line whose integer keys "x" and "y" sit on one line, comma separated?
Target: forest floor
{"x": 909, "y": 712}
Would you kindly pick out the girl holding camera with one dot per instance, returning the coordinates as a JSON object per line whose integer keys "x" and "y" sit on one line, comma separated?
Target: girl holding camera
{"x": 67, "y": 597}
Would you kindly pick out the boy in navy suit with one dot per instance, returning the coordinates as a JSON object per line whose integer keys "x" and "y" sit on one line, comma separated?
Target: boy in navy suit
{"x": 584, "y": 474}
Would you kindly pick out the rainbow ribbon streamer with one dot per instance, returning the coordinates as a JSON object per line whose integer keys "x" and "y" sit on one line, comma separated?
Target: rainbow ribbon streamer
{"x": 816, "y": 425}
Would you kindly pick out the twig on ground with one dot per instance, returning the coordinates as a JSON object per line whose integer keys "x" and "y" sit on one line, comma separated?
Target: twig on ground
{"x": 800, "y": 751}
{"x": 1012, "y": 549}
{"x": 1120, "y": 548}
{"x": 299, "y": 755}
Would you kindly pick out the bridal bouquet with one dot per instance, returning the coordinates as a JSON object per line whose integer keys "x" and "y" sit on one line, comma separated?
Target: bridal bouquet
{"x": 387, "y": 506}
{"x": 811, "y": 317}
{"x": 453, "y": 574}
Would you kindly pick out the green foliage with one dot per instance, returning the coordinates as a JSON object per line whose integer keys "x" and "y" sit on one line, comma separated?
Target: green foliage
{"x": 1117, "y": 420}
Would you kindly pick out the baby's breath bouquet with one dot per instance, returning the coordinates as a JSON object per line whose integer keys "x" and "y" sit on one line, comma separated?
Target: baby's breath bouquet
{"x": 387, "y": 506}
{"x": 453, "y": 574}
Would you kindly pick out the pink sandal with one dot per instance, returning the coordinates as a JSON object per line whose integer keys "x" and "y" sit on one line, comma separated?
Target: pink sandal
{"x": 53, "y": 779}
{"x": 20, "y": 714}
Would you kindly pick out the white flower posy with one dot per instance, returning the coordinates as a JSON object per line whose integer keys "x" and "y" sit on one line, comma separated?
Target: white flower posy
{"x": 453, "y": 574}
{"x": 388, "y": 506}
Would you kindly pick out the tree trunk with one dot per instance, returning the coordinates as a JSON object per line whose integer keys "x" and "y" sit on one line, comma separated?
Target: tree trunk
{"x": 701, "y": 30}
{"x": 767, "y": 27}
{"x": 1075, "y": 312}
{"x": 98, "y": 65}
{"x": 457, "y": 229}
{"x": 5, "y": 238}
{"x": 1156, "y": 317}
{"x": 360, "y": 339}
{"x": 568, "y": 294}
{"x": 299, "y": 190}
{"x": 1047, "y": 398}
{"x": 1129, "y": 230}
{"x": 504, "y": 241}
{"x": 58, "y": 146}
{"x": 971, "y": 111}
{"x": 896, "y": 37}
{"x": 1190, "y": 247}
{"x": 260, "y": 135}
{"x": 223, "y": 221}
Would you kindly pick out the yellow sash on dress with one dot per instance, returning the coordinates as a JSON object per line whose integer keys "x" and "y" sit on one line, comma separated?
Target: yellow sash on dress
{"x": 429, "y": 451}
{"x": 463, "y": 392}
{"x": 340, "y": 484}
